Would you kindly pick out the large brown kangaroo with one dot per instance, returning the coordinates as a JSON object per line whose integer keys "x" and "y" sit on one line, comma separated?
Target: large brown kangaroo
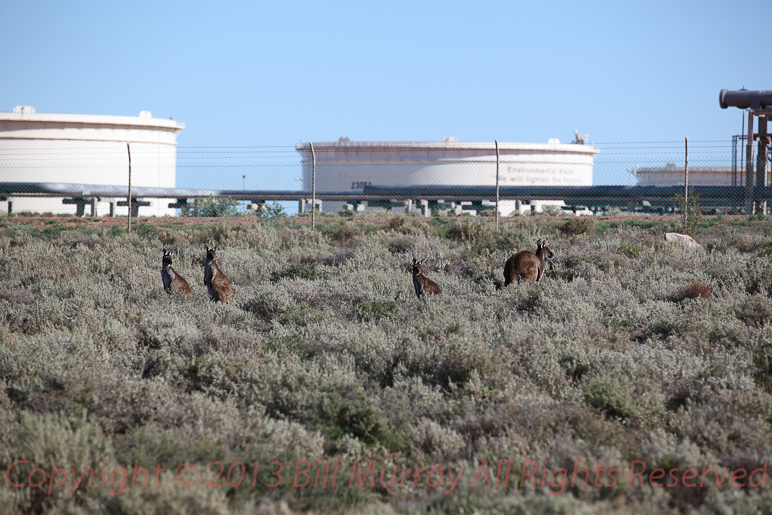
{"x": 173, "y": 282}
{"x": 525, "y": 266}
{"x": 421, "y": 283}
{"x": 217, "y": 285}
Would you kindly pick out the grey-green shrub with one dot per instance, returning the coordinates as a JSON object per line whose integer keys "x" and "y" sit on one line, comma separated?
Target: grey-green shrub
{"x": 327, "y": 354}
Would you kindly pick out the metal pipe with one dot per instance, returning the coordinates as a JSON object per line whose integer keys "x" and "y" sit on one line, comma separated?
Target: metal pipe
{"x": 745, "y": 99}
{"x": 715, "y": 195}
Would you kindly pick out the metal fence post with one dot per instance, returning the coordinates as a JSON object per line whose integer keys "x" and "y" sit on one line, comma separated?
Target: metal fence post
{"x": 497, "y": 184}
{"x": 128, "y": 147}
{"x": 686, "y": 182}
{"x": 313, "y": 188}
{"x": 761, "y": 159}
{"x": 749, "y": 204}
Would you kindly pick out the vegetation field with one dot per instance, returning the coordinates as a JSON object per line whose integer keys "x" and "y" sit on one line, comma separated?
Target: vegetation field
{"x": 636, "y": 377}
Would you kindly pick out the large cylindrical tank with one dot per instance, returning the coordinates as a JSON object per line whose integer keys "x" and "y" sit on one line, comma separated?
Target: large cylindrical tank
{"x": 350, "y": 165}
{"x": 88, "y": 149}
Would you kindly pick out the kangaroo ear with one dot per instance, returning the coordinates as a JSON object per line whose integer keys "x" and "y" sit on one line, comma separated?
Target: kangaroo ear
{"x": 414, "y": 261}
{"x": 164, "y": 252}
{"x": 206, "y": 247}
{"x": 215, "y": 248}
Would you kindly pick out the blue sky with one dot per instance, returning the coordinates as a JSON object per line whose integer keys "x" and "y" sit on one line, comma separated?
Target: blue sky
{"x": 275, "y": 73}
{"x": 260, "y": 73}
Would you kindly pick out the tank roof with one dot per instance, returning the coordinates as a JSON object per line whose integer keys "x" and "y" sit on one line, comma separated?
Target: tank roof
{"x": 145, "y": 119}
{"x": 449, "y": 143}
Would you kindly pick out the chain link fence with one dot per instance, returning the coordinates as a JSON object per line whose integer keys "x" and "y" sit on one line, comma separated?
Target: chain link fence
{"x": 92, "y": 178}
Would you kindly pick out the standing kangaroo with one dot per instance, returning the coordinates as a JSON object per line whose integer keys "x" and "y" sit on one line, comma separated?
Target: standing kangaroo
{"x": 421, "y": 283}
{"x": 173, "y": 282}
{"x": 217, "y": 285}
{"x": 525, "y": 266}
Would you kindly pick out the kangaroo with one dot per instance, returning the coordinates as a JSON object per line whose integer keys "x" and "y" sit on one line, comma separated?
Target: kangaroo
{"x": 217, "y": 285}
{"x": 173, "y": 282}
{"x": 525, "y": 266}
{"x": 421, "y": 283}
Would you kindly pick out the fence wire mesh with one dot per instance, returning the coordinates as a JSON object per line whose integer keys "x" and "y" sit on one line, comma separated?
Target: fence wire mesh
{"x": 449, "y": 176}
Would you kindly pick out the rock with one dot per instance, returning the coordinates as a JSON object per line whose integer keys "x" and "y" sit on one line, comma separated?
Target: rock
{"x": 686, "y": 240}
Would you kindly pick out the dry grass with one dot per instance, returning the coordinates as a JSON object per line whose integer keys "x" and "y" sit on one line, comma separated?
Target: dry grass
{"x": 629, "y": 350}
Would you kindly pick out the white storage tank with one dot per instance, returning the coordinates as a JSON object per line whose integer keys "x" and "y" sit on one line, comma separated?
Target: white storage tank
{"x": 673, "y": 175}
{"x": 87, "y": 149}
{"x": 348, "y": 165}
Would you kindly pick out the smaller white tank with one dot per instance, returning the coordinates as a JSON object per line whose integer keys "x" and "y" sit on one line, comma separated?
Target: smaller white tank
{"x": 87, "y": 149}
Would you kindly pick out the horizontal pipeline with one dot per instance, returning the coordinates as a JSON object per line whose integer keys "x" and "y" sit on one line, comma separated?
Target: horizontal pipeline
{"x": 432, "y": 192}
{"x": 375, "y": 192}
{"x": 61, "y": 189}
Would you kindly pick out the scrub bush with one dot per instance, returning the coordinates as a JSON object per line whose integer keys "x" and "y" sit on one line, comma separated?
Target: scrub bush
{"x": 628, "y": 349}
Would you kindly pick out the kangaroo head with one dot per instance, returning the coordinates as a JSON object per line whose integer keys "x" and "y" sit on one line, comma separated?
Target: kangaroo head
{"x": 167, "y": 257}
{"x": 546, "y": 252}
{"x": 417, "y": 270}
{"x": 211, "y": 253}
